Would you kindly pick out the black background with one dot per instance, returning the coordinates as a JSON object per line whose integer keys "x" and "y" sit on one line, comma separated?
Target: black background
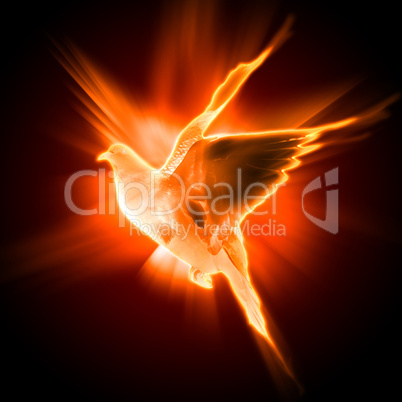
{"x": 97, "y": 350}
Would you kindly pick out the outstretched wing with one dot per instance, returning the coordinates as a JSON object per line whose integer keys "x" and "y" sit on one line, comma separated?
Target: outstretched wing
{"x": 228, "y": 176}
{"x": 195, "y": 130}
{"x": 225, "y": 92}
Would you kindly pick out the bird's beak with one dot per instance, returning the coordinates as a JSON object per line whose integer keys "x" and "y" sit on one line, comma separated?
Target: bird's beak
{"x": 103, "y": 157}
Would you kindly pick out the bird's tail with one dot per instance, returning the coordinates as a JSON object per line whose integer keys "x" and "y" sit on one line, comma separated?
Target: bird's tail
{"x": 248, "y": 298}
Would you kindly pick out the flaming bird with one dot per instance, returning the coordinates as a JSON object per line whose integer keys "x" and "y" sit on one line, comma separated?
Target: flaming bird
{"x": 199, "y": 163}
{"x": 194, "y": 205}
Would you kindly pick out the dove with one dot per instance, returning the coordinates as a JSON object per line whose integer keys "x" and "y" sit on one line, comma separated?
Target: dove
{"x": 194, "y": 205}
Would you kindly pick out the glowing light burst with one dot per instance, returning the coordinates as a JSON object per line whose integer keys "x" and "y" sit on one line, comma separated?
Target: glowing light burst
{"x": 119, "y": 119}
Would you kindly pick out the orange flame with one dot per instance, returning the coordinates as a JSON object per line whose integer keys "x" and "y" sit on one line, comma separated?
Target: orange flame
{"x": 116, "y": 117}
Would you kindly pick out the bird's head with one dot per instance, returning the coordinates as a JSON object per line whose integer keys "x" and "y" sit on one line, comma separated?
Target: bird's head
{"x": 117, "y": 153}
{"x": 125, "y": 162}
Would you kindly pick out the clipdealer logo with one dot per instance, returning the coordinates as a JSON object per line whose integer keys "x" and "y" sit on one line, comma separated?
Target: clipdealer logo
{"x": 329, "y": 224}
{"x": 331, "y": 221}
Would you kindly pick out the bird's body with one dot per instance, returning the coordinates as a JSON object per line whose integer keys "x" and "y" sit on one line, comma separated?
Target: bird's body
{"x": 174, "y": 230}
{"x": 151, "y": 201}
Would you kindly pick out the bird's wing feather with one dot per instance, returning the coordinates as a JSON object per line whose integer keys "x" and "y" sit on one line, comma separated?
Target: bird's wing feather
{"x": 195, "y": 130}
{"x": 227, "y": 168}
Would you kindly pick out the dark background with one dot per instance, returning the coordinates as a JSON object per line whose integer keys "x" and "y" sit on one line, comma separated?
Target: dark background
{"x": 96, "y": 338}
